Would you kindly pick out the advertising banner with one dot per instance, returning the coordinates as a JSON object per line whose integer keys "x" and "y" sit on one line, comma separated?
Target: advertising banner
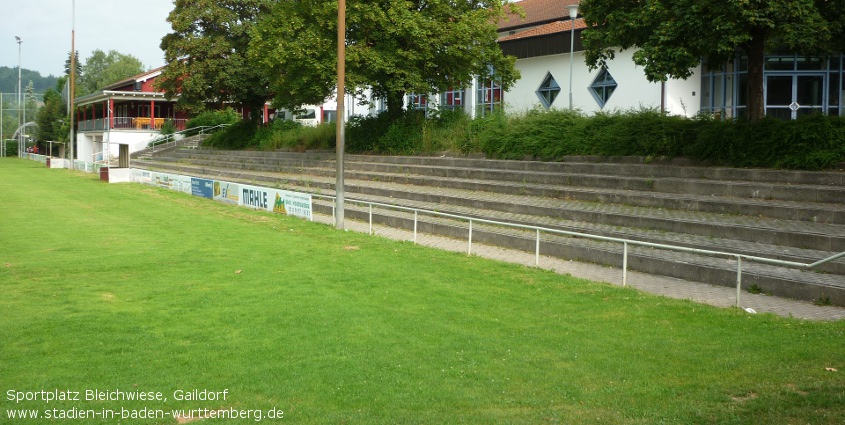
{"x": 257, "y": 198}
{"x": 277, "y": 201}
{"x": 293, "y": 203}
{"x": 202, "y": 187}
{"x": 170, "y": 181}
{"x": 226, "y": 192}
{"x": 141, "y": 176}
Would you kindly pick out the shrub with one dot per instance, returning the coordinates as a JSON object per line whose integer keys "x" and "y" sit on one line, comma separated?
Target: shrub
{"x": 812, "y": 143}
{"x": 292, "y": 135}
{"x": 238, "y": 136}
{"x": 169, "y": 127}
{"x": 212, "y": 119}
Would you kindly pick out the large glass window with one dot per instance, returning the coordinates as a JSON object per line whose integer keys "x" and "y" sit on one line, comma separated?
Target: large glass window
{"x": 452, "y": 99}
{"x": 603, "y": 86}
{"x": 488, "y": 96}
{"x": 548, "y": 91}
{"x": 794, "y": 85}
{"x": 417, "y": 102}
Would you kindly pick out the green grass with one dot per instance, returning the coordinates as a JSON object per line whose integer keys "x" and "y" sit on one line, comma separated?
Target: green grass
{"x": 135, "y": 288}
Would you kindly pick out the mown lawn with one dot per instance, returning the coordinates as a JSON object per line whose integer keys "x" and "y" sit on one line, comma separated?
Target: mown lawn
{"x": 132, "y": 288}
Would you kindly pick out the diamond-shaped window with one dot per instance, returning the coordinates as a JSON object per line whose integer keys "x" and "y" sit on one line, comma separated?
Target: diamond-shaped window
{"x": 548, "y": 91}
{"x": 603, "y": 86}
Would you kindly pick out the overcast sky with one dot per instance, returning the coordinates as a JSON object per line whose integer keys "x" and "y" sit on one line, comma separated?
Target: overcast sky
{"x": 130, "y": 27}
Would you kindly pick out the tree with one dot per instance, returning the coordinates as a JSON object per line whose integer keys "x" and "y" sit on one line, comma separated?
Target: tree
{"x": 420, "y": 46}
{"x": 77, "y": 64}
{"x": 206, "y": 54}
{"x": 52, "y": 117}
{"x": 30, "y": 101}
{"x": 101, "y": 69}
{"x": 673, "y": 36}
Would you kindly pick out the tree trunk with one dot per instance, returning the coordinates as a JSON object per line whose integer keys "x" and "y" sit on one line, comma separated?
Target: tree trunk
{"x": 395, "y": 104}
{"x": 756, "y": 51}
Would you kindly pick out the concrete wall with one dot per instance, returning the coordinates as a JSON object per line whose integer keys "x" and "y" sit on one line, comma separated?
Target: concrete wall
{"x": 633, "y": 89}
{"x": 90, "y": 143}
{"x": 683, "y": 97}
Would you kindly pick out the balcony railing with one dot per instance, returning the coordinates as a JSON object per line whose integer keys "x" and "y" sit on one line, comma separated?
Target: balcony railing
{"x": 130, "y": 123}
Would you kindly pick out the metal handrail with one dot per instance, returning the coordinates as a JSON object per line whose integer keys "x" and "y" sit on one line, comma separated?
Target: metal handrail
{"x": 166, "y": 142}
{"x": 625, "y": 242}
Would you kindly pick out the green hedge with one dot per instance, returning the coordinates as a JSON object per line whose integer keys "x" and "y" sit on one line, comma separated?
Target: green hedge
{"x": 811, "y": 143}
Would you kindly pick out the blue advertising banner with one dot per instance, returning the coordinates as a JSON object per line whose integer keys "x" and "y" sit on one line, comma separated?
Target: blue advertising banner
{"x": 202, "y": 187}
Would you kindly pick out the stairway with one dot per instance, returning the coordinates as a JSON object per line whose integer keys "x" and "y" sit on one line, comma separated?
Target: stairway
{"x": 786, "y": 215}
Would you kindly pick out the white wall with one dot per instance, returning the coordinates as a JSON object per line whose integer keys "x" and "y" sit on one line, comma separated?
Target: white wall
{"x": 633, "y": 89}
{"x": 84, "y": 147}
{"x": 683, "y": 97}
{"x": 90, "y": 143}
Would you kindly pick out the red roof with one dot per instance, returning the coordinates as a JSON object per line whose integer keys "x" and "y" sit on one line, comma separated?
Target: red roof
{"x": 133, "y": 79}
{"x": 552, "y": 28}
{"x": 537, "y": 12}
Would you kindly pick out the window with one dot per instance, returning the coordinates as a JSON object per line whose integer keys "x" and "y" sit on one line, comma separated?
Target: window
{"x": 307, "y": 114}
{"x": 489, "y": 96}
{"x": 602, "y": 87}
{"x": 417, "y": 102}
{"x": 452, "y": 99}
{"x": 548, "y": 91}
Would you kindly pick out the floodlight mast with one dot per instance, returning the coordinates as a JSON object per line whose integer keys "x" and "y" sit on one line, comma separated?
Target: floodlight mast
{"x": 341, "y": 114}
{"x": 72, "y": 81}
{"x": 21, "y": 147}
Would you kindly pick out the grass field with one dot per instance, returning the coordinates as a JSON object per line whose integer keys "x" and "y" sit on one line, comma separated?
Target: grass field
{"x": 138, "y": 289}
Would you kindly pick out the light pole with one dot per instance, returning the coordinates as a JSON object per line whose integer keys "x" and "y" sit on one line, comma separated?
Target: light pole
{"x": 72, "y": 81}
{"x": 573, "y": 13}
{"x": 20, "y": 96}
{"x": 341, "y": 113}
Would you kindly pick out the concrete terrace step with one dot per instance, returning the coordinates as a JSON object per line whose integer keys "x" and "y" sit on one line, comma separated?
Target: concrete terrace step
{"x": 622, "y": 166}
{"x": 789, "y": 236}
{"x": 801, "y": 234}
{"x": 609, "y": 189}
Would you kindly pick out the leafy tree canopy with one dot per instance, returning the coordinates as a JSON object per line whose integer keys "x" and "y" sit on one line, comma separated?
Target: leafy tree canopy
{"x": 9, "y": 80}
{"x": 102, "y": 69}
{"x": 206, "y": 54}
{"x": 673, "y": 36}
{"x": 420, "y": 46}
{"x": 52, "y": 117}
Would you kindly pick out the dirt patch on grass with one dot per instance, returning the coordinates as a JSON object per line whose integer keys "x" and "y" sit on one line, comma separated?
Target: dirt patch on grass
{"x": 742, "y": 399}
{"x": 107, "y": 296}
{"x": 795, "y": 389}
{"x": 351, "y": 248}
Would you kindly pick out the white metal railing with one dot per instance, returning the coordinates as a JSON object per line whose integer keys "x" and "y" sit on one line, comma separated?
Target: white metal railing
{"x": 625, "y": 242}
{"x": 169, "y": 141}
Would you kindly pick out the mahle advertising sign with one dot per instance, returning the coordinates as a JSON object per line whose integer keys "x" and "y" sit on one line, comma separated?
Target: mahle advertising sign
{"x": 275, "y": 200}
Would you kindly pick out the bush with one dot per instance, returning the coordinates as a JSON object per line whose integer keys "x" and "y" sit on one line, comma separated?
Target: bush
{"x": 212, "y": 119}
{"x": 811, "y": 143}
{"x": 294, "y": 136}
{"x": 169, "y": 127}
{"x": 238, "y": 136}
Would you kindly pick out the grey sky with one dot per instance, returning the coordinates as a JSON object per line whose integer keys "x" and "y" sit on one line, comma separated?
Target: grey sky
{"x": 130, "y": 27}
